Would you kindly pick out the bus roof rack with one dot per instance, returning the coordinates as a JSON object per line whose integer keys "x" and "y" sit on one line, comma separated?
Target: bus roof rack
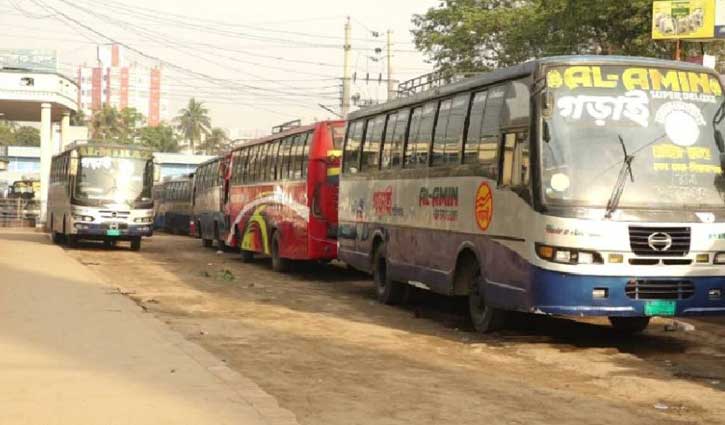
{"x": 430, "y": 81}
{"x": 286, "y": 126}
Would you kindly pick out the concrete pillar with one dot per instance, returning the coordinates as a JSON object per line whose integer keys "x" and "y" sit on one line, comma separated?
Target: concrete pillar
{"x": 46, "y": 154}
{"x": 65, "y": 130}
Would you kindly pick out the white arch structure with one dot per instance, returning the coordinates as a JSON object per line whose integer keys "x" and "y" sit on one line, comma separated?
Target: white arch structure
{"x": 44, "y": 97}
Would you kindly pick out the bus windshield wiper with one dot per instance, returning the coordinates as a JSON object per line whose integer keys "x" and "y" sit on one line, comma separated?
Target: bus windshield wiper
{"x": 616, "y": 195}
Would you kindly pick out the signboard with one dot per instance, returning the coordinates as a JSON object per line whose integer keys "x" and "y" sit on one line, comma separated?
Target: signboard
{"x": 683, "y": 19}
{"x": 719, "y": 18}
{"x": 32, "y": 59}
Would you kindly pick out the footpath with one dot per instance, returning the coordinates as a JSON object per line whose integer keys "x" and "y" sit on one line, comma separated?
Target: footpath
{"x": 74, "y": 351}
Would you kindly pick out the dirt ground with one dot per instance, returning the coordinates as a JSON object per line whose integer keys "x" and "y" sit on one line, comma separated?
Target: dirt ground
{"x": 318, "y": 341}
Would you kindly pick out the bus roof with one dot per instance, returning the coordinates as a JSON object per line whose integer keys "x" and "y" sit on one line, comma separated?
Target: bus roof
{"x": 295, "y": 130}
{"x": 520, "y": 71}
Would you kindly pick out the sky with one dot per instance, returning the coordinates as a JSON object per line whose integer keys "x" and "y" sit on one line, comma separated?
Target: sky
{"x": 254, "y": 64}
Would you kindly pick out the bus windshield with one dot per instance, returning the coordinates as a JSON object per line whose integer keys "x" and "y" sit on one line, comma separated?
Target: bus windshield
{"x": 103, "y": 180}
{"x": 663, "y": 118}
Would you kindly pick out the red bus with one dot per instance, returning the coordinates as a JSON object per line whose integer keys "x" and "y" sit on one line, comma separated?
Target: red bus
{"x": 283, "y": 194}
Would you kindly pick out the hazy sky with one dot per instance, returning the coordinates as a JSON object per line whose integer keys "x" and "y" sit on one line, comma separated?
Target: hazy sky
{"x": 255, "y": 64}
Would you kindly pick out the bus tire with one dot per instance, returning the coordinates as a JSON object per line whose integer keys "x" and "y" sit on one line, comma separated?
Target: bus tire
{"x": 279, "y": 264}
{"x": 388, "y": 291}
{"x": 207, "y": 243}
{"x": 135, "y": 244}
{"x": 72, "y": 241}
{"x": 629, "y": 325}
{"x": 110, "y": 243}
{"x": 57, "y": 238}
{"x": 484, "y": 318}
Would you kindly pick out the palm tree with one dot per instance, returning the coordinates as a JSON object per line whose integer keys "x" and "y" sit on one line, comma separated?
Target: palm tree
{"x": 216, "y": 142}
{"x": 106, "y": 124}
{"x": 193, "y": 122}
{"x": 78, "y": 118}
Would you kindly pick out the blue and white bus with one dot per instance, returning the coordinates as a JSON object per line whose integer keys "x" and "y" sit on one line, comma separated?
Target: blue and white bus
{"x": 582, "y": 186}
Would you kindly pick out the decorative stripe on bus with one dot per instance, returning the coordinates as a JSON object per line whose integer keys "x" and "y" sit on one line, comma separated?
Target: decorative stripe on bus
{"x": 275, "y": 198}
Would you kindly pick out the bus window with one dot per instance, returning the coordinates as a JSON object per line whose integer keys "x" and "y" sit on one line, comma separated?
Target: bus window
{"x": 284, "y": 155}
{"x": 272, "y": 162}
{"x": 306, "y": 142}
{"x": 298, "y": 148}
{"x": 420, "y": 135}
{"x": 389, "y": 143}
{"x": 338, "y": 136}
{"x": 371, "y": 145}
{"x": 485, "y": 128}
{"x": 516, "y": 111}
{"x": 264, "y": 165}
{"x": 351, "y": 160}
{"x": 449, "y": 130}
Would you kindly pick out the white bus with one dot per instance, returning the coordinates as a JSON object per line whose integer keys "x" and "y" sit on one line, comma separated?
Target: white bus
{"x": 566, "y": 186}
{"x": 101, "y": 192}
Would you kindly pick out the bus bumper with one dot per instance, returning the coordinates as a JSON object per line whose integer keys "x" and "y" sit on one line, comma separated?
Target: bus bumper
{"x": 576, "y": 295}
{"x": 101, "y": 231}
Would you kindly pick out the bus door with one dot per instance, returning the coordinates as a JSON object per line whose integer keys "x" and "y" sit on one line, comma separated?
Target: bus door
{"x": 326, "y": 190}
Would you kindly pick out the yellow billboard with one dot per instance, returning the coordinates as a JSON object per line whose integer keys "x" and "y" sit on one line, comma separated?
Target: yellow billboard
{"x": 683, "y": 19}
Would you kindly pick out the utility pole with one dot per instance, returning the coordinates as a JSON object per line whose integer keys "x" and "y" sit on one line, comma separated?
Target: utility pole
{"x": 391, "y": 87}
{"x": 346, "y": 71}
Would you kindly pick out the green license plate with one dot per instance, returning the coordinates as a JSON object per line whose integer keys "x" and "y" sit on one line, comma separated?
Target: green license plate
{"x": 660, "y": 308}
{"x": 113, "y": 232}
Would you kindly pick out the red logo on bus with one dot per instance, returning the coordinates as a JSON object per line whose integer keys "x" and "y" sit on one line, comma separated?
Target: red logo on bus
{"x": 484, "y": 206}
{"x": 383, "y": 201}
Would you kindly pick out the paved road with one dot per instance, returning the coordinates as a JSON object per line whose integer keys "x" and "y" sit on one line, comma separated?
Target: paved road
{"x": 74, "y": 351}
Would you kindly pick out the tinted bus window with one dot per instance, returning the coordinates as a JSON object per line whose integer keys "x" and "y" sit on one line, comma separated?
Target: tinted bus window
{"x": 371, "y": 145}
{"x": 338, "y": 136}
{"x": 272, "y": 161}
{"x": 449, "y": 130}
{"x": 398, "y": 139}
{"x": 421, "y": 132}
{"x": 284, "y": 156}
{"x": 483, "y": 132}
{"x": 516, "y": 111}
{"x": 307, "y": 141}
{"x": 298, "y": 148}
{"x": 351, "y": 160}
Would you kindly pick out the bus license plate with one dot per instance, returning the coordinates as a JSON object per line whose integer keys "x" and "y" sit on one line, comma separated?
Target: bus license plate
{"x": 115, "y": 232}
{"x": 660, "y": 308}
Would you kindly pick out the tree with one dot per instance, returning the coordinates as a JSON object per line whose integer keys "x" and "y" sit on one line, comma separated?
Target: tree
{"x": 78, "y": 118}
{"x": 477, "y": 35}
{"x": 193, "y": 122}
{"x": 106, "y": 124}
{"x": 27, "y": 136}
{"x": 7, "y": 134}
{"x": 216, "y": 142}
{"x": 160, "y": 138}
{"x": 131, "y": 120}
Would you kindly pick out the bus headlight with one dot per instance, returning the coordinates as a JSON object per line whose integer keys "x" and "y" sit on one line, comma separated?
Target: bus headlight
{"x": 568, "y": 255}
{"x": 719, "y": 258}
{"x": 86, "y": 218}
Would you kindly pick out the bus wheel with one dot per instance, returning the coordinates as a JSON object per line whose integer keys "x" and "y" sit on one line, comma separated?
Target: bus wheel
{"x": 484, "y": 318}
{"x": 135, "y": 244}
{"x": 110, "y": 243}
{"x": 72, "y": 241}
{"x": 206, "y": 242}
{"x": 388, "y": 291}
{"x": 57, "y": 238}
{"x": 629, "y": 325}
{"x": 279, "y": 264}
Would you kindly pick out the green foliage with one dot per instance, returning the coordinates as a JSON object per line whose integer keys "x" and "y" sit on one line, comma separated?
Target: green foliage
{"x": 12, "y": 135}
{"x": 478, "y": 35}
{"x": 7, "y": 134}
{"x": 193, "y": 122}
{"x": 160, "y": 138}
{"x": 78, "y": 118}
{"x": 27, "y": 136}
{"x": 216, "y": 142}
{"x": 111, "y": 125}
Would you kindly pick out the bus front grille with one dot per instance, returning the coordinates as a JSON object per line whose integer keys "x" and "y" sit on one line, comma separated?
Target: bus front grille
{"x": 660, "y": 241}
{"x": 660, "y": 289}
